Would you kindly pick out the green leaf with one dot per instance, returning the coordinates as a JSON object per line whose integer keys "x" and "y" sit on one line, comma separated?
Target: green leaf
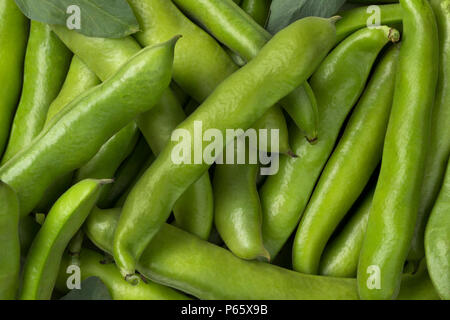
{"x": 91, "y": 289}
{"x": 284, "y": 12}
{"x": 98, "y": 18}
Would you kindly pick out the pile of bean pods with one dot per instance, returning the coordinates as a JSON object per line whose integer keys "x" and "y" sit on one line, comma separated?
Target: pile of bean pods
{"x": 359, "y": 207}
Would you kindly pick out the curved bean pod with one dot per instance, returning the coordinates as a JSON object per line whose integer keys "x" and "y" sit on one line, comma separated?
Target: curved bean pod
{"x": 13, "y": 41}
{"x": 338, "y": 84}
{"x": 156, "y": 125}
{"x": 46, "y": 63}
{"x": 341, "y": 255}
{"x": 76, "y": 134}
{"x": 396, "y": 201}
{"x": 358, "y": 18}
{"x": 61, "y": 224}
{"x": 206, "y": 271}
{"x": 439, "y": 145}
{"x": 201, "y": 64}
{"x": 239, "y": 32}
{"x": 9, "y": 243}
{"x": 350, "y": 167}
{"x": 437, "y": 240}
{"x": 231, "y": 106}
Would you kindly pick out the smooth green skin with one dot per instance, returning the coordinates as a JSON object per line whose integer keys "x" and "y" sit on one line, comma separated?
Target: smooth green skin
{"x": 183, "y": 97}
{"x": 126, "y": 173}
{"x": 110, "y": 156}
{"x": 61, "y": 224}
{"x": 285, "y": 195}
{"x": 439, "y": 144}
{"x": 92, "y": 265}
{"x": 194, "y": 210}
{"x": 77, "y": 134}
{"x": 46, "y": 63}
{"x": 13, "y": 41}
{"x": 156, "y": 125}
{"x": 341, "y": 255}
{"x": 9, "y": 243}
{"x": 28, "y": 228}
{"x": 206, "y": 271}
{"x": 243, "y": 35}
{"x": 397, "y": 196}
{"x": 257, "y": 9}
{"x": 185, "y": 262}
{"x": 350, "y": 167}
{"x": 237, "y": 210}
{"x": 201, "y": 64}
{"x": 355, "y": 19}
{"x": 437, "y": 241}
{"x": 237, "y": 103}
{"x": 79, "y": 79}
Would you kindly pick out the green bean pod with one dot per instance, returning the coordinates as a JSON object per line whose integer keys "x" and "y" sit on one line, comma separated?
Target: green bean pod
{"x": 206, "y": 271}
{"x": 231, "y": 106}
{"x": 355, "y": 19}
{"x": 257, "y": 9}
{"x": 110, "y": 156}
{"x": 338, "y": 84}
{"x": 350, "y": 167}
{"x": 78, "y": 80}
{"x": 239, "y": 32}
{"x": 156, "y": 125}
{"x": 341, "y": 255}
{"x": 373, "y": 1}
{"x": 76, "y": 133}
{"x": 9, "y": 243}
{"x": 61, "y": 224}
{"x": 237, "y": 210}
{"x": 185, "y": 262}
{"x": 126, "y": 173}
{"x": 13, "y": 41}
{"x": 439, "y": 145}
{"x": 437, "y": 241}
{"x": 194, "y": 210}
{"x": 201, "y": 64}
{"x": 396, "y": 201}
{"x": 92, "y": 265}
{"x": 46, "y": 63}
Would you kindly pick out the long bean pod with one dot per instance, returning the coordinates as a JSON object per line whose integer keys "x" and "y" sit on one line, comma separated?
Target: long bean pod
{"x": 397, "y": 196}
{"x": 338, "y": 83}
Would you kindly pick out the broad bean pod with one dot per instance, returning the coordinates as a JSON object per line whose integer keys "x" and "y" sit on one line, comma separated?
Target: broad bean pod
{"x": 76, "y": 133}
{"x": 13, "y": 41}
{"x": 349, "y": 168}
{"x": 396, "y": 201}
{"x": 439, "y": 144}
{"x": 338, "y": 84}
{"x": 238, "y": 31}
{"x": 46, "y": 63}
{"x": 236, "y": 104}
{"x": 61, "y": 224}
